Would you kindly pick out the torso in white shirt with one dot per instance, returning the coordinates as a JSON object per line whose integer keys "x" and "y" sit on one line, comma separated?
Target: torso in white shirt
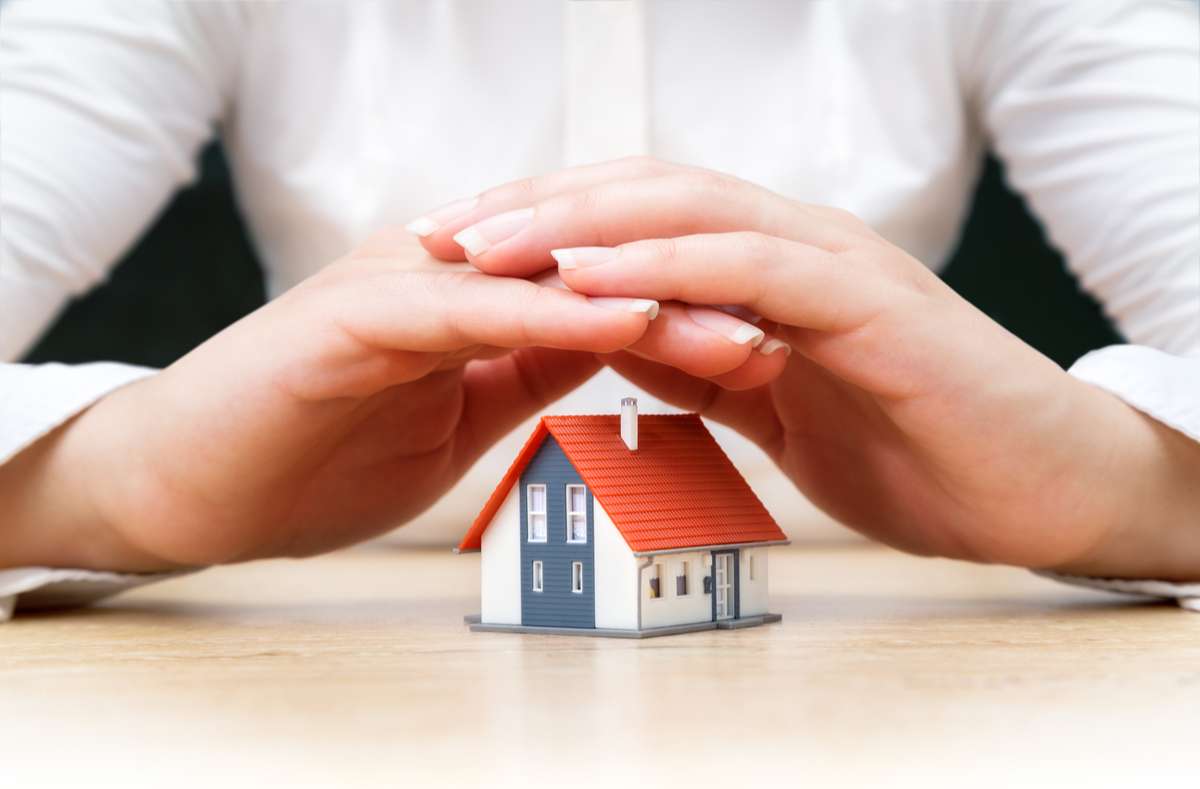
{"x": 342, "y": 117}
{"x": 350, "y": 116}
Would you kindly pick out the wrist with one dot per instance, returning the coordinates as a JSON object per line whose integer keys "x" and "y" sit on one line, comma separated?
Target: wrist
{"x": 1148, "y": 487}
{"x": 50, "y": 491}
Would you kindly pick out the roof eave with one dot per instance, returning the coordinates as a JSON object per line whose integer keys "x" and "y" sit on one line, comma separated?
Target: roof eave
{"x": 720, "y": 546}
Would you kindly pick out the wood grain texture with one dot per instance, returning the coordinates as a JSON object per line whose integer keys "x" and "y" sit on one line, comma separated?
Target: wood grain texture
{"x": 355, "y": 668}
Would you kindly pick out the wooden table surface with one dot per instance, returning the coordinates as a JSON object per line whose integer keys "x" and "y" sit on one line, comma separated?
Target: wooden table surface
{"x": 355, "y": 668}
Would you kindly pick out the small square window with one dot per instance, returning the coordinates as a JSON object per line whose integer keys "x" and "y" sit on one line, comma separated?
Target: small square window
{"x": 577, "y": 577}
{"x": 537, "y": 576}
{"x": 535, "y": 504}
{"x": 576, "y": 513}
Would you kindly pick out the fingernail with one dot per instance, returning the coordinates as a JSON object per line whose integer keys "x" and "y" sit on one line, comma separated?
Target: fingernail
{"x": 772, "y": 345}
{"x": 647, "y": 307}
{"x": 737, "y": 331}
{"x": 436, "y": 219}
{"x": 582, "y": 257}
{"x": 481, "y": 237}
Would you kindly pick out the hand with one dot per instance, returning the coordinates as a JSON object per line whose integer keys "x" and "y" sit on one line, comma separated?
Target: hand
{"x": 337, "y": 411}
{"x": 906, "y": 413}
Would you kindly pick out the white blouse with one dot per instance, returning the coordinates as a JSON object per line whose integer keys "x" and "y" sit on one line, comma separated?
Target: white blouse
{"x": 341, "y": 117}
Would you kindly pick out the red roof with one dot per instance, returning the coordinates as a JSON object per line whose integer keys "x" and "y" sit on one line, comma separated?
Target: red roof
{"x": 678, "y": 490}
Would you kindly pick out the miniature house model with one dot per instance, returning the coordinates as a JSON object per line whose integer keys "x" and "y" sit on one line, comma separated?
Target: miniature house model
{"x": 622, "y": 526}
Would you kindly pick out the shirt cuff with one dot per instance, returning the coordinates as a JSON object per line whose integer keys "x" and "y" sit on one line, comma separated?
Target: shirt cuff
{"x": 35, "y": 399}
{"x": 1162, "y": 386}
{"x": 1167, "y": 389}
{"x": 1186, "y": 595}
{"x": 39, "y": 588}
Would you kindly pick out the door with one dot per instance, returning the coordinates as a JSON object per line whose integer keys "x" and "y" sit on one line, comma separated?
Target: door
{"x": 723, "y": 584}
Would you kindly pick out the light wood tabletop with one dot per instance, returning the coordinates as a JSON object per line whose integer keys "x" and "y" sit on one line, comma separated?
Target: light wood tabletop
{"x": 355, "y": 668}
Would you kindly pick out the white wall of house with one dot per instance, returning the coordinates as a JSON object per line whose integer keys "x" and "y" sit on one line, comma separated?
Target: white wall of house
{"x": 616, "y": 575}
{"x": 671, "y": 608}
{"x": 753, "y": 598}
{"x": 500, "y": 565}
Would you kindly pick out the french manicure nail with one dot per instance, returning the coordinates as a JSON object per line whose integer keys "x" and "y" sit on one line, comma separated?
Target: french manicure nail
{"x": 436, "y": 219}
{"x": 582, "y": 257}
{"x": 737, "y": 331}
{"x": 772, "y": 345}
{"x": 647, "y": 307}
{"x": 481, "y": 237}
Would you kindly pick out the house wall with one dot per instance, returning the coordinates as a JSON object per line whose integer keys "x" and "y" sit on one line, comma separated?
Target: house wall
{"x": 499, "y": 565}
{"x": 753, "y": 598}
{"x": 671, "y": 609}
{"x": 616, "y": 576}
{"x": 556, "y": 605}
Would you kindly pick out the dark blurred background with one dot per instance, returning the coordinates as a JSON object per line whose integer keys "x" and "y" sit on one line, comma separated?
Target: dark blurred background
{"x": 195, "y": 272}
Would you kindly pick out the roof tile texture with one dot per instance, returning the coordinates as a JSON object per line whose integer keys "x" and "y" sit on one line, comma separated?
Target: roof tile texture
{"x": 677, "y": 490}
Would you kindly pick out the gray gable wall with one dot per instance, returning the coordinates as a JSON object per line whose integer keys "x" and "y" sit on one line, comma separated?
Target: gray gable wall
{"x": 557, "y": 605}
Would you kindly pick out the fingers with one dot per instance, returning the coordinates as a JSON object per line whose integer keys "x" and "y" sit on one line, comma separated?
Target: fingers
{"x": 445, "y": 312}
{"x": 750, "y": 412}
{"x": 500, "y": 393}
{"x": 707, "y": 343}
{"x": 791, "y": 283}
{"x": 437, "y": 228}
{"x": 518, "y": 242}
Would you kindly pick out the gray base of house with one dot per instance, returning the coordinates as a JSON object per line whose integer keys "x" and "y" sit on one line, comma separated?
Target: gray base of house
{"x": 650, "y": 632}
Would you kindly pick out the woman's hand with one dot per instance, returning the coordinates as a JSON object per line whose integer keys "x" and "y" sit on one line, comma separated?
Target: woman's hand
{"x": 339, "y": 410}
{"x": 905, "y": 413}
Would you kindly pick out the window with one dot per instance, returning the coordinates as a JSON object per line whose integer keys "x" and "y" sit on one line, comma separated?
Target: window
{"x": 681, "y": 580}
{"x": 535, "y": 504}
{"x": 706, "y": 568}
{"x": 751, "y": 567}
{"x": 577, "y": 577}
{"x": 537, "y": 576}
{"x": 656, "y": 574}
{"x": 576, "y": 513}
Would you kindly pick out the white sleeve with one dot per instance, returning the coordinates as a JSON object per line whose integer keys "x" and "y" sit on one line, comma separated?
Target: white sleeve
{"x": 1095, "y": 110}
{"x": 1094, "y": 107}
{"x": 40, "y": 588}
{"x": 103, "y": 107}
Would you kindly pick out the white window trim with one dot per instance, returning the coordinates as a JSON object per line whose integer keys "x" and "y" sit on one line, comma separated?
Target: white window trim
{"x": 571, "y": 512}
{"x": 656, "y": 570}
{"x": 538, "y": 581}
{"x": 577, "y": 566}
{"x": 529, "y": 513}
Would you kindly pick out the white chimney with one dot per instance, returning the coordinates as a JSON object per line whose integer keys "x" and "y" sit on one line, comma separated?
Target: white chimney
{"x": 629, "y": 422}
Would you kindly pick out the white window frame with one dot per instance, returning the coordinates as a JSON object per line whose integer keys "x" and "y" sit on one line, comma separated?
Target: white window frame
{"x": 580, "y": 513}
{"x": 530, "y": 513}
{"x": 656, "y": 574}
{"x": 538, "y": 576}
{"x": 577, "y": 577}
